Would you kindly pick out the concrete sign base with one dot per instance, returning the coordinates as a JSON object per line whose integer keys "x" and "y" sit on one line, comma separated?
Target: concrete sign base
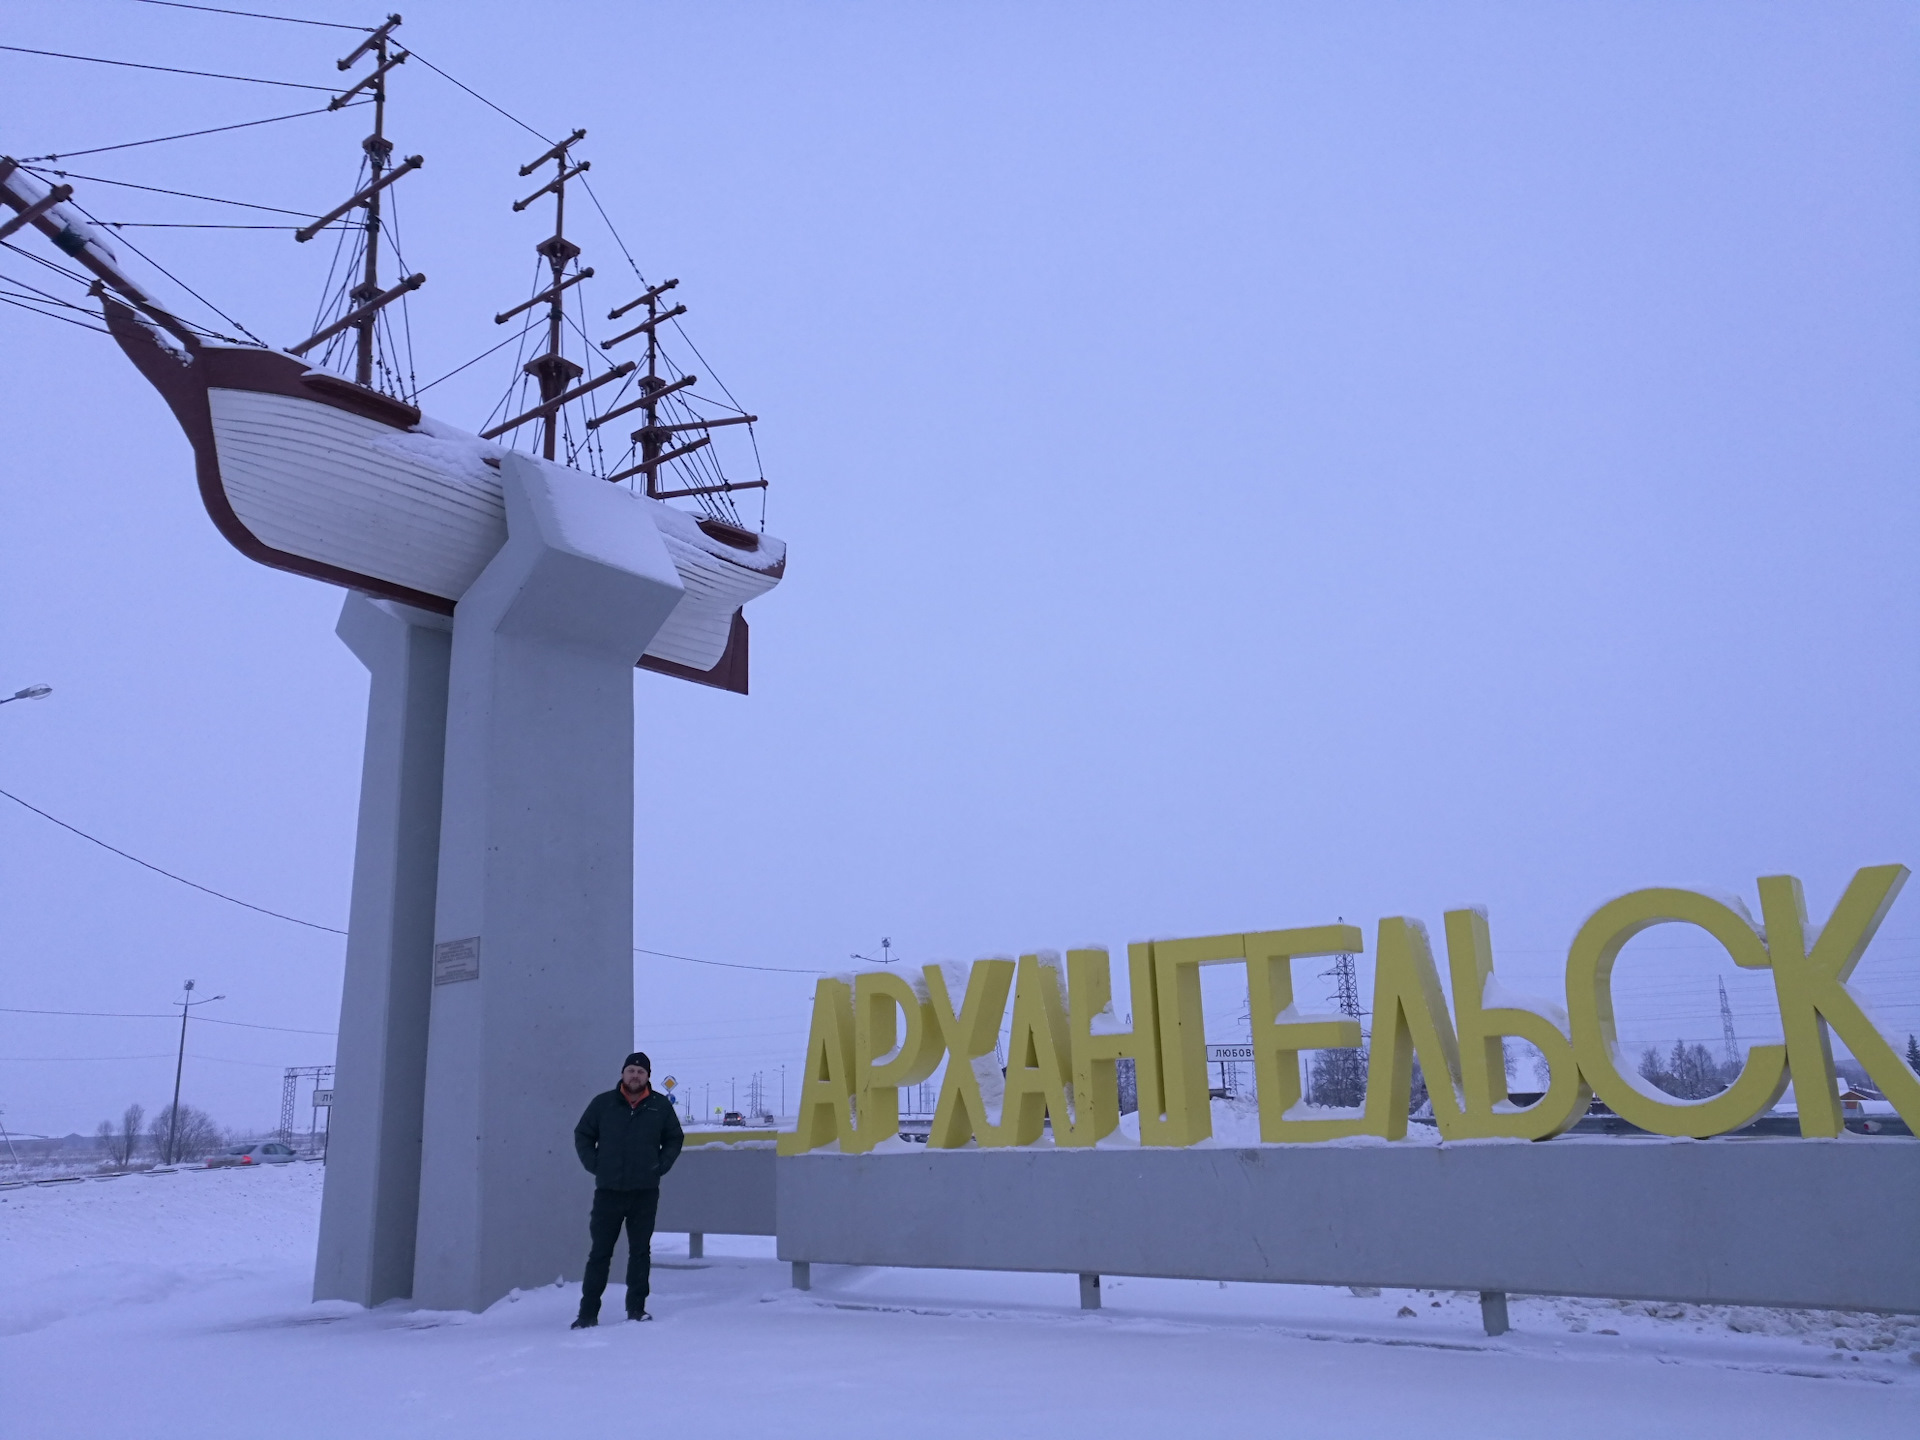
{"x": 1824, "y": 1224}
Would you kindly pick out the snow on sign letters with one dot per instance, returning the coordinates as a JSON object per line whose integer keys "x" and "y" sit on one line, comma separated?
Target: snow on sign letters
{"x": 455, "y": 960}
{"x": 878, "y": 1031}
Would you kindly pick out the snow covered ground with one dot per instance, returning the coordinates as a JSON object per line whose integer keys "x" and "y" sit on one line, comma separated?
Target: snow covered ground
{"x": 176, "y": 1305}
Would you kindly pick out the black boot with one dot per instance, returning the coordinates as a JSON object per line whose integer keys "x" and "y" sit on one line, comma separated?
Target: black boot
{"x": 587, "y": 1318}
{"x": 638, "y": 1315}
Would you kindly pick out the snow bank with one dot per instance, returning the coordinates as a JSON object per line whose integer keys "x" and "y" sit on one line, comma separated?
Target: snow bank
{"x": 176, "y": 1305}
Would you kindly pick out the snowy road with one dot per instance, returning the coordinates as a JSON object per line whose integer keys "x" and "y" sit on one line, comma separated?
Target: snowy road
{"x": 176, "y": 1305}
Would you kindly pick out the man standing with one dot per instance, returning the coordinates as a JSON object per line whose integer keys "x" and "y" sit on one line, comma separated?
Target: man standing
{"x": 628, "y": 1139}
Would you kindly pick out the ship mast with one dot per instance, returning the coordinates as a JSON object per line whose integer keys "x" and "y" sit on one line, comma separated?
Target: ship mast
{"x": 555, "y": 372}
{"x": 379, "y": 150}
{"x": 368, "y": 298}
{"x": 653, "y": 437}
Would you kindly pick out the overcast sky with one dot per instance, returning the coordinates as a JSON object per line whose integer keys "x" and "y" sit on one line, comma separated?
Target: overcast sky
{"x": 1243, "y": 465}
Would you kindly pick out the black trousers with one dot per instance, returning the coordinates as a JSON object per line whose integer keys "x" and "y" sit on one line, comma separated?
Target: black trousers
{"x": 634, "y": 1209}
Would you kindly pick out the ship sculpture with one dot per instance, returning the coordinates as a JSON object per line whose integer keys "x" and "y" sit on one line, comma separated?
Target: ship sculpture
{"x": 317, "y": 460}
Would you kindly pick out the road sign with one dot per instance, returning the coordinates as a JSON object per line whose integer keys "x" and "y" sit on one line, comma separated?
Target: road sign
{"x": 1227, "y": 1054}
{"x": 669, "y": 1083}
{"x": 322, "y": 1099}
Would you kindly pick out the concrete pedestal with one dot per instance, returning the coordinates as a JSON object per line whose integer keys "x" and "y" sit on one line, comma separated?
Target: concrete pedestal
{"x": 532, "y": 996}
{"x": 371, "y": 1201}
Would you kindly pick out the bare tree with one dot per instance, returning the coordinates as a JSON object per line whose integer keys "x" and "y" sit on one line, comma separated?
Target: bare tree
{"x": 1419, "y": 1100}
{"x": 127, "y": 1140}
{"x": 1689, "y": 1073}
{"x": 1339, "y": 1078}
{"x": 196, "y": 1135}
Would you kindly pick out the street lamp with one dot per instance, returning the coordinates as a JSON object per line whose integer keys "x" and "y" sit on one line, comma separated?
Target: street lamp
{"x": 32, "y": 692}
{"x": 186, "y": 1003}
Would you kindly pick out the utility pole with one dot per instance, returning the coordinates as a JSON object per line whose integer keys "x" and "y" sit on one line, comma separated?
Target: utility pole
{"x": 186, "y": 1003}
{"x": 886, "y": 953}
{"x": 1728, "y": 1040}
{"x": 9, "y": 1139}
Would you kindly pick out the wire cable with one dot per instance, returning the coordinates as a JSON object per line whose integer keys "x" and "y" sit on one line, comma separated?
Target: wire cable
{"x": 310, "y": 924}
{"x": 48, "y": 296}
{"x": 256, "y": 15}
{"x": 206, "y": 889}
{"x": 83, "y": 281}
{"x": 191, "y": 134}
{"x": 723, "y": 964}
{"x": 173, "y": 277}
{"x": 23, "y": 305}
{"x": 190, "y": 225}
{"x": 481, "y": 98}
{"x": 169, "y": 69}
{"x": 476, "y": 359}
{"x": 160, "y": 190}
{"x": 145, "y": 1015}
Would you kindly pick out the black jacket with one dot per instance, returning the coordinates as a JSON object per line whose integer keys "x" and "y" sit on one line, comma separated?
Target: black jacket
{"x": 628, "y": 1147}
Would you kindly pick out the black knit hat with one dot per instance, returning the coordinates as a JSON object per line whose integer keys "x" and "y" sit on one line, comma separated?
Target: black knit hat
{"x": 639, "y": 1057}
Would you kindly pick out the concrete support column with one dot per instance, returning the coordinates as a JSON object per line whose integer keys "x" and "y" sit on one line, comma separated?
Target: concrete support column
{"x": 803, "y": 1275}
{"x": 1089, "y": 1292}
{"x": 1493, "y": 1311}
{"x": 532, "y": 1000}
{"x": 696, "y": 1245}
{"x": 371, "y": 1199}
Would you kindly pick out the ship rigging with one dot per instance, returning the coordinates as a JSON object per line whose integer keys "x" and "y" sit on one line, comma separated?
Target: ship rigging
{"x": 318, "y": 458}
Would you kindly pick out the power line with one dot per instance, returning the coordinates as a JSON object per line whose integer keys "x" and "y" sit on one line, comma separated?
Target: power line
{"x": 256, "y": 15}
{"x": 143, "y": 1015}
{"x": 310, "y": 924}
{"x": 191, "y": 134}
{"x": 169, "y": 69}
{"x": 724, "y": 964}
{"x": 77, "y": 1059}
{"x": 206, "y": 889}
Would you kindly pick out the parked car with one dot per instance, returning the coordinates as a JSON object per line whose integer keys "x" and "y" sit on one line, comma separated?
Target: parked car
{"x": 267, "y": 1152}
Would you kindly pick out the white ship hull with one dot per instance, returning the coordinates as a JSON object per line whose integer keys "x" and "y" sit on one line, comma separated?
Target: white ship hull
{"x": 307, "y": 472}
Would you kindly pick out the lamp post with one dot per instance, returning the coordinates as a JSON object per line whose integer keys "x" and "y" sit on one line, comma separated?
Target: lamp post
{"x": 186, "y": 1003}
{"x": 32, "y": 692}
